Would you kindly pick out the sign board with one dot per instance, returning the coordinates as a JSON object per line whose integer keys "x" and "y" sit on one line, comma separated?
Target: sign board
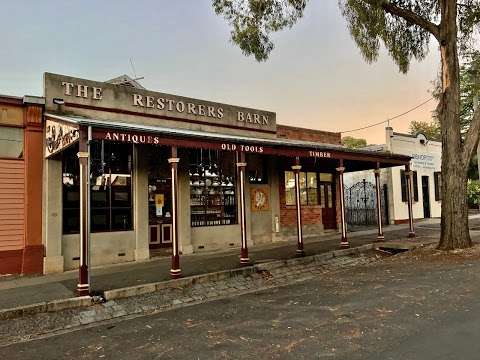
{"x": 80, "y": 95}
{"x": 59, "y": 136}
{"x": 159, "y": 204}
{"x": 259, "y": 199}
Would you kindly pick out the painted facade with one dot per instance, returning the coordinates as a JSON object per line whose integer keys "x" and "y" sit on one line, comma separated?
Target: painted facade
{"x": 21, "y": 145}
{"x": 130, "y": 173}
{"x": 426, "y": 164}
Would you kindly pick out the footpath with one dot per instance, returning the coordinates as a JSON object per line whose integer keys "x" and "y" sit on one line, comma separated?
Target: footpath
{"x": 19, "y": 292}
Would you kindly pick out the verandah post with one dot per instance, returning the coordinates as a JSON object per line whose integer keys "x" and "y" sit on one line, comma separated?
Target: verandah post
{"x": 296, "y": 170}
{"x": 380, "y": 236}
{"x": 175, "y": 271}
{"x": 343, "y": 224}
{"x": 83, "y": 286}
{"x": 409, "y": 176}
{"x": 241, "y": 165}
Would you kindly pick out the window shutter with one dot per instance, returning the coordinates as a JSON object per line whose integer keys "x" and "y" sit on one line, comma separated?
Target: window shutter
{"x": 438, "y": 186}
{"x": 415, "y": 186}
{"x": 403, "y": 182}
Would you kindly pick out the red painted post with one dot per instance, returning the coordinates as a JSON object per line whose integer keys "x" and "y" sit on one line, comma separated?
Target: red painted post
{"x": 296, "y": 170}
{"x": 83, "y": 286}
{"x": 409, "y": 175}
{"x": 380, "y": 236}
{"x": 175, "y": 271}
{"x": 241, "y": 165}
{"x": 343, "y": 224}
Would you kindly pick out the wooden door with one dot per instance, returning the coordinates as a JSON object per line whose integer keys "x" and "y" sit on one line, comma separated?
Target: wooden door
{"x": 327, "y": 202}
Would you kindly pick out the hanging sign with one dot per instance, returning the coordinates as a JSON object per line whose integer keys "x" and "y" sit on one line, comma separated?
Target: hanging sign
{"x": 59, "y": 136}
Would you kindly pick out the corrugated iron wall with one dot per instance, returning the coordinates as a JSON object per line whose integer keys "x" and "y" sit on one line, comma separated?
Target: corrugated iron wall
{"x": 12, "y": 204}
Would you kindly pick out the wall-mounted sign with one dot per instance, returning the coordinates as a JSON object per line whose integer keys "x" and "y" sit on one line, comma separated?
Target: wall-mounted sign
{"x": 153, "y": 138}
{"x": 82, "y": 96}
{"x": 259, "y": 199}
{"x": 59, "y": 136}
{"x": 320, "y": 154}
{"x": 159, "y": 204}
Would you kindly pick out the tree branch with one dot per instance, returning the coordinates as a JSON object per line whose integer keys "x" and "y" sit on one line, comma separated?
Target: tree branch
{"x": 408, "y": 15}
{"x": 471, "y": 138}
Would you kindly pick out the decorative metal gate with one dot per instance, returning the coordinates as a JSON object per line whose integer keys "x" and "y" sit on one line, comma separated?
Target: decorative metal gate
{"x": 361, "y": 204}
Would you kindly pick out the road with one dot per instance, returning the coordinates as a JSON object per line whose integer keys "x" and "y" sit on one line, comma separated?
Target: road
{"x": 410, "y": 306}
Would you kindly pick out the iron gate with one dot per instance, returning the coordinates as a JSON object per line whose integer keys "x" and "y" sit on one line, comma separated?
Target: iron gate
{"x": 361, "y": 204}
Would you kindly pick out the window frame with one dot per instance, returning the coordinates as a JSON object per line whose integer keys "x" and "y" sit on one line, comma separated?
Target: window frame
{"x": 305, "y": 189}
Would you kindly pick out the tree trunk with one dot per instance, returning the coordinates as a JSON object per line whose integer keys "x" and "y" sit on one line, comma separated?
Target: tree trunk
{"x": 454, "y": 224}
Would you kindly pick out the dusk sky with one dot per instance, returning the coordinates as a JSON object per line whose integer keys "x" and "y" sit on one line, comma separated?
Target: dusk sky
{"x": 315, "y": 77}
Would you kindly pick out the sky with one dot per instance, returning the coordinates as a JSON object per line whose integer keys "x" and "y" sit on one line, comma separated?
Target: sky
{"x": 315, "y": 77}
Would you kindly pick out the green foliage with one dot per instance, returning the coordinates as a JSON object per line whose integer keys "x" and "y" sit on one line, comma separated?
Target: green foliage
{"x": 370, "y": 25}
{"x": 473, "y": 193}
{"x": 430, "y": 129}
{"x": 473, "y": 168}
{"x": 469, "y": 88}
{"x": 353, "y": 143}
{"x": 253, "y": 21}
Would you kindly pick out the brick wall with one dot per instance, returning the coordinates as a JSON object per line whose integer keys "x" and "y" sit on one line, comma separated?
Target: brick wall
{"x": 311, "y": 215}
{"x": 296, "y": 133}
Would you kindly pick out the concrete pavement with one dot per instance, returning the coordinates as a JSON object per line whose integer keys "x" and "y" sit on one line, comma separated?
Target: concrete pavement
{"x": 30, "y": 290}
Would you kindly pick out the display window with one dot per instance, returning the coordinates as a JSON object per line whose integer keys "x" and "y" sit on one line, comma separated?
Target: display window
{"x": 71, "y": 190}
{"x": 110, "y": 188}
{"x": 212, "y": 188}
{"x": 315, "y": 188}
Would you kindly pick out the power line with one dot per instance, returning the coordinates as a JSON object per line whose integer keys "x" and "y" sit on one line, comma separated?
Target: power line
{"x": 389, "y": 119}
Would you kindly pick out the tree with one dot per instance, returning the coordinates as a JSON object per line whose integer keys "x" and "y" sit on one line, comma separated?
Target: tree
{"x": 405, "y": 28}
{"x": 353, "y": 143}
{"x": 430, "y": 129}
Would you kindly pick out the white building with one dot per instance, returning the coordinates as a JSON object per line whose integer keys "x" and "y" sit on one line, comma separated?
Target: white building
{"x": 426, "y": 164}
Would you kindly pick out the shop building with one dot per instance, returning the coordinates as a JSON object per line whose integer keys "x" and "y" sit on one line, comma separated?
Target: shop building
{"x": 426, "y": 161}
{"x": 21, "y": 159}
{"x": 130, "y": 172}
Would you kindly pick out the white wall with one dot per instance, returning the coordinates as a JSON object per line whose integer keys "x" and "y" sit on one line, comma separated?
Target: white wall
{"x": 426, "y": 159}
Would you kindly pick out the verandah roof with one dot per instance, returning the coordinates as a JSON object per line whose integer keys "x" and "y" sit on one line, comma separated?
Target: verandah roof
{"x": 355, "y": 159}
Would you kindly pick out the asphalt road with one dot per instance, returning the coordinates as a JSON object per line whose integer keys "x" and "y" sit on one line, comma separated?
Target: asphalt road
{"x": 402, "y": 307}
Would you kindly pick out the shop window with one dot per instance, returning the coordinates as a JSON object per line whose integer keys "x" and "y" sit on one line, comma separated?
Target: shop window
{"x": 71, "y": 190}
{"x": 309, "y": 186}
{"x": 212, "y": 188}
{"x": 289, "y": 188}
{"x": 11, "y": 142}
{"x": 403, "y": 180}
{"x": 437, "y": 176}
{"x": 111, "y": 187}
